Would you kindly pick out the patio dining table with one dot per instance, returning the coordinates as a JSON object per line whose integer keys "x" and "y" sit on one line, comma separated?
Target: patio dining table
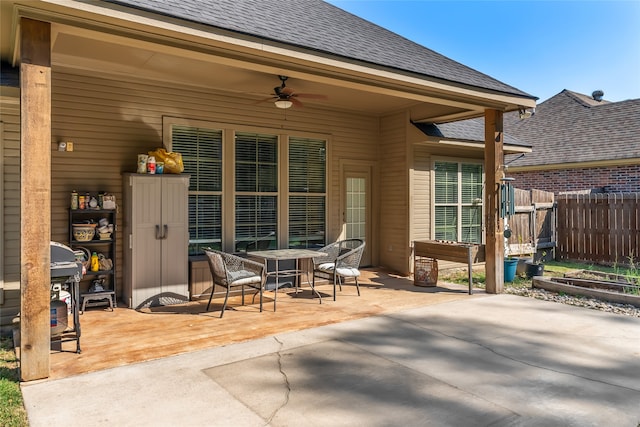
{"x": 297, "y": 255}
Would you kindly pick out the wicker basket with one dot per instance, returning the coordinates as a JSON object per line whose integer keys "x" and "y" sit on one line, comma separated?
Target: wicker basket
{"x": 425, "y": 271}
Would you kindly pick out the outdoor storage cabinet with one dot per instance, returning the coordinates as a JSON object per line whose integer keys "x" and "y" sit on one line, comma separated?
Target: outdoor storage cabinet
{"x": 156, "y": 234}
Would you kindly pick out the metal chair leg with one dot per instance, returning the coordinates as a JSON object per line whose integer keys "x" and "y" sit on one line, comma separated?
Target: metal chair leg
{"x": 213, "y": 288}
{"x": 224, "y": 305}
{"x": 313, "y": 286}
{"x": 253, "y": 298}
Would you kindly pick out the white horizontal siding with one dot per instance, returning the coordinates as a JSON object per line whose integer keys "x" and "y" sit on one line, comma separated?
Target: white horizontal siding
{"x": 10, "y": 238}
{"x": 394, "y": 188}
{"x": 421, "y": 198}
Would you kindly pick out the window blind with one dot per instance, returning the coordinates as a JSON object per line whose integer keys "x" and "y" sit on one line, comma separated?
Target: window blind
{"x": 256, "y": 157}
{"x": 458, "y": 200}
{"x": 201, "y": 151}
{"x": 446, "y": 182}
{"x": 307, "y": 198}
{"x": 256, "y": 162}
{"x": 471, "y": 179}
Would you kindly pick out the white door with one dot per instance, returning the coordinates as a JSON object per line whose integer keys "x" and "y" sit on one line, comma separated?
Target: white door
{"x": 357, "y": 207}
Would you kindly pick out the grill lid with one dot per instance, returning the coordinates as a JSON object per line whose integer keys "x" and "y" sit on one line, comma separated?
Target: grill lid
{"x": 60, "y": 253}
{"x": 63, "y": 261}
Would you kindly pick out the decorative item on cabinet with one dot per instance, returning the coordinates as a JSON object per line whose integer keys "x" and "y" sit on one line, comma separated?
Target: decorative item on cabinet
{"x": 93, "y": 231}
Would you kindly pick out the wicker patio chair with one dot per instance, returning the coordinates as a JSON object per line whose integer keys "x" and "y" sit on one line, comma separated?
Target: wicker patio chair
{"x": 231, "y": 271}
{"x": 341, "y": 263}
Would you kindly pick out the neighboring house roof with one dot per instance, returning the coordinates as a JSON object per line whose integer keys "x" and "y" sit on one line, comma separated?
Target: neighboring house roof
{"x": 322, "y": 27}
{"x": 574, "y": 128}
{"x": 465, "y": 130}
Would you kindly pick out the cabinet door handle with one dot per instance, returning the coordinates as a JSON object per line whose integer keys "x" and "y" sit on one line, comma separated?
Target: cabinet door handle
{"x": 158, "y": 236}
{"x": 166, "y": 230}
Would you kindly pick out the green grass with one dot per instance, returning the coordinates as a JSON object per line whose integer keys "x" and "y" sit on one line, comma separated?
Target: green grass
{"x": 12, "y": 413}
{"x": 551, "y": 269}
{"x": 561, "y": 267}
{"x": 479, "y": 279}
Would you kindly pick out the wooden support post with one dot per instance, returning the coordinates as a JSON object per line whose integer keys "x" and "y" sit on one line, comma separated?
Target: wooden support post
{"x": 493, "y": 158}
{"x": 35, "y": 198}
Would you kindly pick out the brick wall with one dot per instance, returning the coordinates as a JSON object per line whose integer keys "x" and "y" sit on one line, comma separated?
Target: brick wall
{"x": 617, "y": 179}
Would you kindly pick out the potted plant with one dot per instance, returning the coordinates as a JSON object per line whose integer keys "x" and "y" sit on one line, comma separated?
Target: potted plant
{"x": 536, "y": 268}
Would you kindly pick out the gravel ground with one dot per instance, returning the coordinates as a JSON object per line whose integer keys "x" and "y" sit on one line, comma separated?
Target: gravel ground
{"x": 595, "y": 304}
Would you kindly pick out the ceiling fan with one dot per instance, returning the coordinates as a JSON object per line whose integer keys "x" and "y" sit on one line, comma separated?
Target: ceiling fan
{"x": 285, "y": 97}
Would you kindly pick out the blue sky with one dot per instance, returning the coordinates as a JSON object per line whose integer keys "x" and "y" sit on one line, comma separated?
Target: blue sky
{"x": 540, "y": 47}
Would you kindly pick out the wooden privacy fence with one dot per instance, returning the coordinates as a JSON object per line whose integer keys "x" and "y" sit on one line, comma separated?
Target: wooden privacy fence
{"x": 533, "y": 226}
{"x": 599, "y": 228}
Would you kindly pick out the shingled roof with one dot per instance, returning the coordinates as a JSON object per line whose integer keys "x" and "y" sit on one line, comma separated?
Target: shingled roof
{"x": 465, "y": 130}
{"x": 574, "y": 128}
{"x": 322, "y": 27}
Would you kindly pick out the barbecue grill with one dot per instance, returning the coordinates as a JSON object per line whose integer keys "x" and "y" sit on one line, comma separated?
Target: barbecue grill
{"x": 65, "y": 269}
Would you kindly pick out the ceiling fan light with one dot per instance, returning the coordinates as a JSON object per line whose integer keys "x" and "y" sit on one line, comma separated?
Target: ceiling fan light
{"x": 283, "y": 103}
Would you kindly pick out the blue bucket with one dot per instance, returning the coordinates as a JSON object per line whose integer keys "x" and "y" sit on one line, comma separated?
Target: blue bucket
{"x": 510, "y": 266}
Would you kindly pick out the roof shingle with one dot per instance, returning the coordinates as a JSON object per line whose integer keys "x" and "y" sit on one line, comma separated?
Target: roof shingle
{"x": 471, "y": 130}
{"x": 320, "y": 26}
{"x": 572, "y": 128}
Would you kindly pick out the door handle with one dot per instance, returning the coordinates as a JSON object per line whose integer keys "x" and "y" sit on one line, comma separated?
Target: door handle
{"x": 158, "y": 236}
{"x": 166, "y": 231}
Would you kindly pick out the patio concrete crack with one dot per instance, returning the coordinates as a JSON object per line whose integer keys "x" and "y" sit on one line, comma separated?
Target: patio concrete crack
{"x": 286, "y": 383}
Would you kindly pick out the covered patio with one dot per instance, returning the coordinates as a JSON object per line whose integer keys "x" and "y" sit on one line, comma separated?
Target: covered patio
{"x": 124, "y": 336}
{"x": 107, "y": 81}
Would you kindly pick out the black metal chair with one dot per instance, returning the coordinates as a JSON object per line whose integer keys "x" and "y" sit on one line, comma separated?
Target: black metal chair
{"x": 341, "y": 263}
{"x": 230, "y": 271}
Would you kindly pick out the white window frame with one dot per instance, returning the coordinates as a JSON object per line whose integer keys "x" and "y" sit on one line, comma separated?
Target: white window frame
{"x": 168, "y": 143}
{"x": 459, "y": 204}
{"x": 255, "y": 193}
{"x": 228, "y": 172}
{"x": 290, "y": 193}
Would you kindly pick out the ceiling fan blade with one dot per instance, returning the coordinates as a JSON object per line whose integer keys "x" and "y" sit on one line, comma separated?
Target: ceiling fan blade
{"x": 310, "y": 95}
{"x": 296, "y": 103}
{"x": 285, "y": 91}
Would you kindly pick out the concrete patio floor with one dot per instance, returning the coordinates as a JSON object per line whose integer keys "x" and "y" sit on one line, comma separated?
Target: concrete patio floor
{"x": 484, "y": 360}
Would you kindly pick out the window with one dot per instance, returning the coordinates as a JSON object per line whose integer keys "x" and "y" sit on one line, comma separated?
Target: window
{"x": 458, "y": 201}
{"x": 307, "y": 187}
{"x": 201, "y": 151}
{"x": 245, "y": 212}
{"x": 256, "y": 191}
